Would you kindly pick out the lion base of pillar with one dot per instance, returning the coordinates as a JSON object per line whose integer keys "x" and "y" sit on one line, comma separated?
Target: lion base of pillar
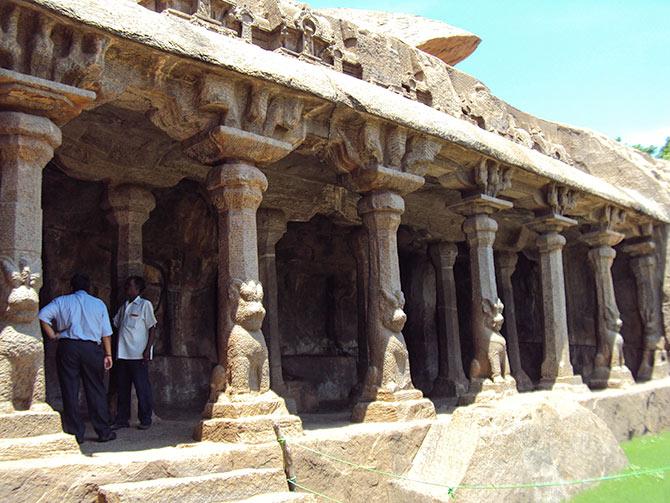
{"x": 658, "y": 369}
{"x": 616, "y": 377}
{"x": 405, "y": 405}
{"x": 486, "y": 390}
{"x": 447, "y": 387}
{"x": 246, "y": 418}
{"x": 33, "y": 433}
{"x": 573, "y": 383}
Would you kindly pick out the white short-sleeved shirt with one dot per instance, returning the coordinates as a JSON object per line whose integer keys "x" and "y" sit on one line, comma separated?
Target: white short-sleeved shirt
{"x": 134, "y": 319}
{"x": 78, "y": 316}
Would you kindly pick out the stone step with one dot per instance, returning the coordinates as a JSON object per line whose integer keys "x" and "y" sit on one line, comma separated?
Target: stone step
{"x": 211, "y": 488}
{"x": 37, "y": 446}
{"x": 283, "y": 497}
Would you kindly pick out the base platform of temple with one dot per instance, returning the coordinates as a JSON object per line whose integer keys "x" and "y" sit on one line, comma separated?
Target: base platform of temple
{"x": 165, "y": 458}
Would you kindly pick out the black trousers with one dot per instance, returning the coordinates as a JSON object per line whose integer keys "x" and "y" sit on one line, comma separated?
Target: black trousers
{"x": 133, "y": 372}
{"x": 82, "y": 360}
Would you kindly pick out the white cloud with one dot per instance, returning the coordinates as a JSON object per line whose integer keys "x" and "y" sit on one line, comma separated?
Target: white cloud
{"x": 650, "y": 137}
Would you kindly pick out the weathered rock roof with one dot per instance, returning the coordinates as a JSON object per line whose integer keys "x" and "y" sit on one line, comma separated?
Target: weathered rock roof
{"x": 448, "y": 43}
{"x": 487, "y": 130}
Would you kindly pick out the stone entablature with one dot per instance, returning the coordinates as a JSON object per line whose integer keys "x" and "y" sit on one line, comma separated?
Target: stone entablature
{"x": 169, "y": 89}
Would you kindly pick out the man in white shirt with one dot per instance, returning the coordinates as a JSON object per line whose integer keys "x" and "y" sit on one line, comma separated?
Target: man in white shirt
{"x": 80, "y": 323}
{"x": 136, "y": 324}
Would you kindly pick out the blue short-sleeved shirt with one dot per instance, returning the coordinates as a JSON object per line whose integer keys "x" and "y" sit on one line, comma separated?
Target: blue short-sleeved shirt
{"x": 78, "y": 316}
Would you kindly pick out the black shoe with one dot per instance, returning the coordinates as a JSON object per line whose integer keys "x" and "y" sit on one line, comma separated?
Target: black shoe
{"x": 80, "y": 440}
{"x": 118, "y": 426}
{"x": 143, "y": 426}
{"x": 111, "y": 436}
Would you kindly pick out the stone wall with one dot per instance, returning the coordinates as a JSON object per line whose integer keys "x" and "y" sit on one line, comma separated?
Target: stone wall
{"x": 318, "y": 318}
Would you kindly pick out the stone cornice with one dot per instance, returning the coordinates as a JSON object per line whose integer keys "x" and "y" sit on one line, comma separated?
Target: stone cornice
{"x": 168, "y": 34}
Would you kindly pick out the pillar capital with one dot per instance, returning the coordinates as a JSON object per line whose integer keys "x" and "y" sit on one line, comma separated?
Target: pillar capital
{"x": 480, "y": 204}
{"x": 43, "y": 98}
{"x": 129, "y": 204}
{"x": 236, "y": 185}
{"x": 506, "y": 261}
{"x": 381, "y": 201}
{"x": 604, "y": 237}
{"x": 642, "y": 248}
{"x": 551, "y": 223}
{"x": 443, "y": 253}
{"x": 549, "y": 242}
{"x": 382, "y": 178}
{"x": 272, "y": 225}
{"x": 480, "y": 230}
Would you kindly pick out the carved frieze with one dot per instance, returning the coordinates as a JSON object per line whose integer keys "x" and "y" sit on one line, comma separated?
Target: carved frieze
{"x": 36, "y": 44}
{"x": 376, "y": 153}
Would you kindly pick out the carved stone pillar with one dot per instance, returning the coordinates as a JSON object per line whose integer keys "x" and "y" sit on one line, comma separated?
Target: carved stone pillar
{"x": 490, "y": 375}
{"x": 506, "y": 265}
{"x": 643, "y": 263}
{"x": 271, "y": 227}
{"x": 31, "y": 110}
{"x": 388, "y": 393}
{"x": 128, "y": 207}
{"x": 610, "y": 369}
{"x": 556, "y": 367}
{"x": 451, "y": 380}
{"x": 241, "y": 406}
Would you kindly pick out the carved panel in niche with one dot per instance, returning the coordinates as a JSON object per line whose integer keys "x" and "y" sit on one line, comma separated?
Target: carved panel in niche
{"x": 317, "y": 290}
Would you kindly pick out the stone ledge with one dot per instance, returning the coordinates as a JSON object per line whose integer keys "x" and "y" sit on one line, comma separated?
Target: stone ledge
{"x": 228, "y": 486}
{"x": 381, "y": 411}
{"x": 29, "y": 423}
{"x": 37, "y": 447}
{"x": 248, "y": 430}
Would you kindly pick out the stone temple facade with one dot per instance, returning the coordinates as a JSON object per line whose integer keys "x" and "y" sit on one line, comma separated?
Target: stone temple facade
{"x": 329, "y": 215}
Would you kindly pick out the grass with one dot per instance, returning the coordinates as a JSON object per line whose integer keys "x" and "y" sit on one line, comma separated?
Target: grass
{"x": 643, "y": 453}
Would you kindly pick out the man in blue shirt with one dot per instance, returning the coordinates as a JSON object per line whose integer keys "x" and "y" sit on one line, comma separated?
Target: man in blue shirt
{"x": 80, "y": 323}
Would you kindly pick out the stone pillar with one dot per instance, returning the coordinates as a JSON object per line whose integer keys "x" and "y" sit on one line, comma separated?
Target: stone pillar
{"x": 128, "y": 208}
{"x": 451, "y": 380}
{"x": 388, "y": 394}
{"x": 490, "y": 375}
{"x": 506, "y": 265}
{"x": 271, "y": 227}
{"x": 241, "y": 406}
{"x": 556, "y": 367}
{"x": 31, "y": 110}
{"x": 610, "y": 369}
{"x": 643, "y": 263}
{"x": 359, "y": 246}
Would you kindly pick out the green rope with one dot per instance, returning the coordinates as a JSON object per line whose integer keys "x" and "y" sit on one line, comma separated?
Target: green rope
{"x": 316, "y": 493}
{"x": 452, "y": 489}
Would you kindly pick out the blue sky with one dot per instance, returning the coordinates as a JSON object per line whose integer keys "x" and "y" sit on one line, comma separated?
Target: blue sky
{"x": 600, "y": 64}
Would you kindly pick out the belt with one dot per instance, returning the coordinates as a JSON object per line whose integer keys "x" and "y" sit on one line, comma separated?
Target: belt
{"x": 70, "y": 339}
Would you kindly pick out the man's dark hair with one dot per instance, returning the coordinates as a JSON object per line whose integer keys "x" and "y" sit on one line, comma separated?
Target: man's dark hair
{"x": 138, "y": 281}
{"x": 80, "y": 281}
